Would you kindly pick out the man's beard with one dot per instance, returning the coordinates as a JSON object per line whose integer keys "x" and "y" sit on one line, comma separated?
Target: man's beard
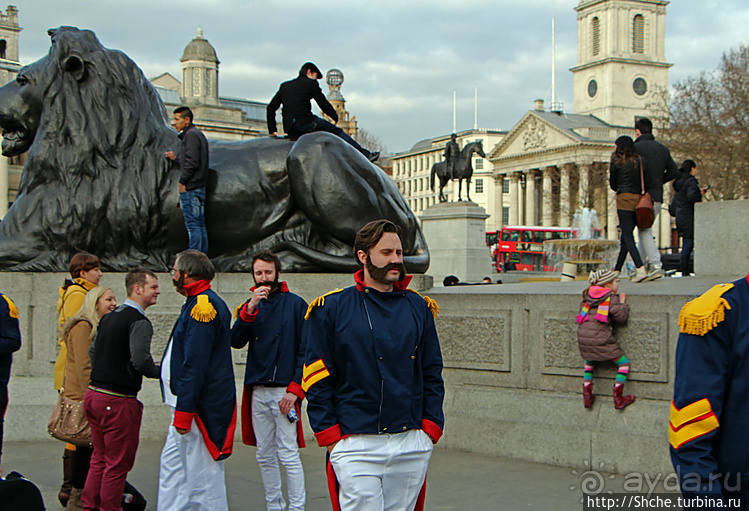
{"x": 179, "y": 284}
{"x": 273, "y": 285}
{"x": 380, "y": 274}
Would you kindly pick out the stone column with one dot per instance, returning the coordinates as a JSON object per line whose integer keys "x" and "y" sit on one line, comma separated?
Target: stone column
{"x": 520, "y": 199}
{"x": 548, "y": 197}
{"x": 663, "y": 237}
{"x": 530, "y": 198}
{"x": 496, "y": 206}
{"x": 3, "y": 186}
{"x": 564, "y": 195}
{"x": 514, "y": 198}
{"x": 612, "y": 220}
{"x": 583, "y": 186}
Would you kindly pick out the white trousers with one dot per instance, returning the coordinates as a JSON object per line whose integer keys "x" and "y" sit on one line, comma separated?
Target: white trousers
{"x": 277, "y": 440}
{"x": 648, "y": 249}
{"x": 381, "y": 472}
{"x": 189, "y": 478}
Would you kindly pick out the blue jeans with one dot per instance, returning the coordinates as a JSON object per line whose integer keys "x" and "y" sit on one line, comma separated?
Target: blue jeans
{"x": 322, "y": 125}
{"x": 192, "y": 204}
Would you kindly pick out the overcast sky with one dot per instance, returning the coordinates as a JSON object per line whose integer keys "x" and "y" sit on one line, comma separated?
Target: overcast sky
{"x": 401, "y": 59}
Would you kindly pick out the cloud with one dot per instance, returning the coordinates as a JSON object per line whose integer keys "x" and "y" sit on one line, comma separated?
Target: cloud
{"x": 401, "y": 59}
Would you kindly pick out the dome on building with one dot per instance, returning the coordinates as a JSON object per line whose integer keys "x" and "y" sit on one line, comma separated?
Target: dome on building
{"x": 200, "y": 49}
{"x": 422, "y": 145}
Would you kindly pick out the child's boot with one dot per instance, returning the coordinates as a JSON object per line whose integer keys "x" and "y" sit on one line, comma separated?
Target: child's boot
{"x": 622, "y": 401}
{"x": 588, "y": 396}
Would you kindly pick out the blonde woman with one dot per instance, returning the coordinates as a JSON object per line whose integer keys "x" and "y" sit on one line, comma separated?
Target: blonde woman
{"x": 85, "y": 273}
{"x": 79, "y": 331}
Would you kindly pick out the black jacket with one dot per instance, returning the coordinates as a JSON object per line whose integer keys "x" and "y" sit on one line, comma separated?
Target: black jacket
{"x": 295, "y": 95}
{"x": 660, "y": 168}
{"x": 193, "y": 162}
{"x": 687, "y": 195}
{"x": 626, "y": 178}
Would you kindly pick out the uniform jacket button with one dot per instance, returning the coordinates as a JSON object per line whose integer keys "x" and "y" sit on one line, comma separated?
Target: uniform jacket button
{"x": 380, "y": 358}
{"x": 384, "y": 429}
{"x": 404, "y": 428}
{"x": 413, "y": 357}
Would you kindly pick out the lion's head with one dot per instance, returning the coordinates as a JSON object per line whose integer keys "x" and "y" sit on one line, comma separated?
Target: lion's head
{"x": 95, "y": 130}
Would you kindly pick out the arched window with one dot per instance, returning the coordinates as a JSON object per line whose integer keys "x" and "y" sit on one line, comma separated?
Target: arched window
{"x": 595, "y": 27}
{"x": 638, "y": 34}
{"x": 3, "y": 47}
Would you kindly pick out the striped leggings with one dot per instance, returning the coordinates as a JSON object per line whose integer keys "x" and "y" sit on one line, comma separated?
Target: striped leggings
{"x": 621, "y": 376}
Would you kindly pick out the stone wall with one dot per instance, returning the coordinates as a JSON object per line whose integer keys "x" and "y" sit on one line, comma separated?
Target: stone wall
{"x": 514, "y": 377}
{"x": 512, "y": 368}
{"x": 721, "y": 240}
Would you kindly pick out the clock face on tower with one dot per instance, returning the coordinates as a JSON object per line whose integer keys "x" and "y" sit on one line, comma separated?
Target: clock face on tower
{"x": 640, "y": 86}
{"x": 592, "y": 88}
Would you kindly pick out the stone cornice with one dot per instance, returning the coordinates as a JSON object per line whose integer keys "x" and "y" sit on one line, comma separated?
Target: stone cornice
{"x": 620, "y": 60}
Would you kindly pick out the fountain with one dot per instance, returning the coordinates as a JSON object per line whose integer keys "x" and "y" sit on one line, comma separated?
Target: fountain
{"x": 585, "y": 251}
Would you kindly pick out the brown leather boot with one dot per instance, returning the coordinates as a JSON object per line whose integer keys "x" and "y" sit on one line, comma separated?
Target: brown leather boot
{"x": 75, "y": 503}
{"x": 588, "y": 396}
{"x": 67, "y": 477}
{"x": 622, "y": 401}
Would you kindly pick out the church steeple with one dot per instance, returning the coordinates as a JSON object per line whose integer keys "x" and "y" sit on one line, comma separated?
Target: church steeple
{"x": 621, "y": 58}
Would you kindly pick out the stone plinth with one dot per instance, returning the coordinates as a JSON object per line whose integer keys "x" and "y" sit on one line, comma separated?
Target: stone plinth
{"x": 721, "y": 240}
{"x": 456, "y": 235}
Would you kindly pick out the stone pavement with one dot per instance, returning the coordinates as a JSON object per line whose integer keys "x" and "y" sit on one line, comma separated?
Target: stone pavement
{"x": 457, "y": 480}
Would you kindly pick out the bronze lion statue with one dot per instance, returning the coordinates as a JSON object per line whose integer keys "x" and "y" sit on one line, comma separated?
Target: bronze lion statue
{"x": 96, "y": 178}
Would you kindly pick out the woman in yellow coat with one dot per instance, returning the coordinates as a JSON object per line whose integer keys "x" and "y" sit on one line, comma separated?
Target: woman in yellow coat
{"x": 85, "y": 270}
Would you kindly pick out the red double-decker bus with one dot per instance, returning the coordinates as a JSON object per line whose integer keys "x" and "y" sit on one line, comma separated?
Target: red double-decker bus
{"x": 522, "y": 247}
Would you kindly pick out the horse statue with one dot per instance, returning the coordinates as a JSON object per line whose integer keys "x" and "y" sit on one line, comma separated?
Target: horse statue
{"x": 463, "y": 170}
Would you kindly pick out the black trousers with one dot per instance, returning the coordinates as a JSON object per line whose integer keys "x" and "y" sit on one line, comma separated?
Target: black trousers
{"x": 687, "y": 245}
{"x": 627, "y": 223}
{"x": 81, "y": 462}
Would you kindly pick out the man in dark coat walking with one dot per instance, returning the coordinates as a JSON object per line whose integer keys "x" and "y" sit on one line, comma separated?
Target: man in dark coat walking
{"x": 298, "y": 119}
{"x": 659, "y": 168}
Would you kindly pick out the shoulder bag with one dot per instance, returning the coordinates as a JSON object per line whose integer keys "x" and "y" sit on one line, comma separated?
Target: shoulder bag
{"x": 644, "y": 208}
{"x": 68, "y": 422}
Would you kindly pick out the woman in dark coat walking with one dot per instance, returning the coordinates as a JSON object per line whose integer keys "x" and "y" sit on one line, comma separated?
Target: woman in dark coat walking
{"x": 626, "y": 179}
{"x": 688, "y": 193}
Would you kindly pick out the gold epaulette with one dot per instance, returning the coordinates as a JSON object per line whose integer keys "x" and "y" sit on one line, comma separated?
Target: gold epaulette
{"x": 236, "y": 311}
{"x": 203, "y": 311}
{"x": 319, "y": 302}
{"x": 705, "y": 312}
{"x": 13, "y": 310}
{"x": 432, "y": 304}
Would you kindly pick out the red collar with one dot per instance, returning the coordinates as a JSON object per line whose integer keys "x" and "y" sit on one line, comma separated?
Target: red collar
{"x": 401, "y": 285}
{"x": 281, "y": 285}
{"x": 197, "y": 287}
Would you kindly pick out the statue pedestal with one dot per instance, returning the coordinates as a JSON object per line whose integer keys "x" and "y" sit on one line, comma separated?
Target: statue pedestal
{"x": 456, "y": 236}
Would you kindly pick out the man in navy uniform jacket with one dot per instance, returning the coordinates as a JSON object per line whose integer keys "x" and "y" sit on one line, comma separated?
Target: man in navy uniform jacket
{"x": 373, "y": 377}
{"x": 271, "y": 323}
{"x": 709, "y": 420}
{"x": 197, "y": 380}
{"x": 10, "y": 341}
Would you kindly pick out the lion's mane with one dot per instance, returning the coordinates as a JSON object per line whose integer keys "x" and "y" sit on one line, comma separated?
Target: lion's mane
{"x": 97, "y": 161}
